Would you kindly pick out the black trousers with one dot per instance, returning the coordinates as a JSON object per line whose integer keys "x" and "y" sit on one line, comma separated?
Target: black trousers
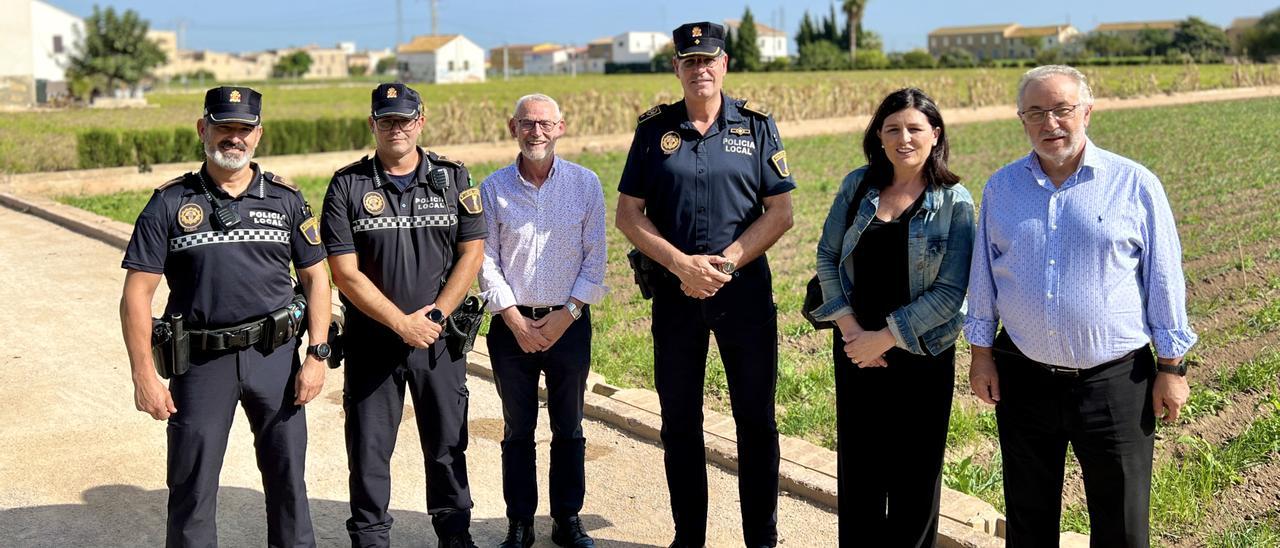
{"x": 1106, "y": 415}
{"x": 891, "y": 427}
{"x": 744, "y": 320}
{"x": 373, "y": 398}
{"x": 515, "y": 373}
{"x": 206, "y": 398}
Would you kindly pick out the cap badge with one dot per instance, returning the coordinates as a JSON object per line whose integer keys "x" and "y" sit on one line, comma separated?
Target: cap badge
{"x": 374, "y": 203}
{"x": 670, "y": 142}
{"x": 235, "y": 96}
{"x": 391, "y": 93}
{"x": 697, "y": 31}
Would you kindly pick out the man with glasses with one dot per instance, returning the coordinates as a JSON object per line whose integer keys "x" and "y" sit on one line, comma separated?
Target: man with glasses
{"x": 544, "y": 263}
{"x": 404, "y": 231}
{"x": 1077, "y": 256}
{"x": 704, "y": 193}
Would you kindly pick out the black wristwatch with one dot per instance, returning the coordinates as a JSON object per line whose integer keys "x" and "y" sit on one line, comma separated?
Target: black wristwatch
{"x": 436, "y": 316}
{"x": 1180, "y": 369}
{"x": 320, "y": 351}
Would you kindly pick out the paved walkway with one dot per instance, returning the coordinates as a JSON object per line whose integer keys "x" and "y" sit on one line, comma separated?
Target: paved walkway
{"x": 80, "y": 467}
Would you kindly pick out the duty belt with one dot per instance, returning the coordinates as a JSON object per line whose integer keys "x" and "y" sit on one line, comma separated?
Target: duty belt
{"x": 537, "y": 312}
{"x": 230, "y": 338}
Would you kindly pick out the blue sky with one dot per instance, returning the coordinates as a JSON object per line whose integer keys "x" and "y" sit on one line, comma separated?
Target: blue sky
{"x": 230, "y": 25}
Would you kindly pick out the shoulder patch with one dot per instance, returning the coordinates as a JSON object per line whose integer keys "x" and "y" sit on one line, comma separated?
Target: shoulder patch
{"x": 351, "y": 166}
{"x": 651, "y": 113}
{"x": 272, "y": 177}
{"x": 470, "y": 200}
{"x": 174, "y": 181}
{"x": 754, "y": 108}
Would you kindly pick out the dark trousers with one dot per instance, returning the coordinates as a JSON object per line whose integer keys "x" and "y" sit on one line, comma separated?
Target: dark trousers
{"x": 1106, "y": 415}
{"x": 206, "y": 398}
{"x": 376, "y": 377}
{"x": 891, "y": 425}
{"x": 743, "y": 318}
{"x": 515, "y": 373}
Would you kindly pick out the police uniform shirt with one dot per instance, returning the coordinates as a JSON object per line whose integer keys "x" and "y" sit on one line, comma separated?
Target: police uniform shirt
{"x": 219, "y": 279}
{"x": 703, "y": 191}
{"x": 405, "y": 240}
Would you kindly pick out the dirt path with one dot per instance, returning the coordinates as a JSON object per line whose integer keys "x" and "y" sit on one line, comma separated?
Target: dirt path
{"x": 102, "y": 181}
{"x": 81, "y": 467}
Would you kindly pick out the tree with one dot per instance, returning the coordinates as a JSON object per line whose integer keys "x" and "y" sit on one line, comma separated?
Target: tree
{"x": 1197, "y": 37}
{"x": 745, "y": 46}
{"x": 1153, "y": 41}
{"x": 853, "y": 24}
{"x": 871, "y": 59}
{"x": 113, "y": 53}
{"x": 357, "y": 70}
{"x": 1033, "y": 43}
{"x": 808, "y": 32}
{"x": 918, "y": 59}
{"x": 385, "y": 65}
{"x": 831, "y": 27}
{"x": 870, "y": 39}
{"x": 1110, "y": 45}
{"x": 1263, "y": 40}
{"x": 293, "y": 65}
{"x": 823, "y": 55}
{"x": 958, "y": 58}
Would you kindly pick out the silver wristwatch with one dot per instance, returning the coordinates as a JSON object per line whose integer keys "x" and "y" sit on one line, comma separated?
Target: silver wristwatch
{"x": 573, "y": 309}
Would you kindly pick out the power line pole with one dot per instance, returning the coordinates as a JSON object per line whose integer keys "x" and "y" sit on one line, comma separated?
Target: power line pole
{"x": 506, "y": 63}
{"x": 435, "y": 27}
{"x": 399, "y": 24}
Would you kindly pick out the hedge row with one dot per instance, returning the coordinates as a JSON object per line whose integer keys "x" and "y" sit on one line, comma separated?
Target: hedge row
{"x": 98, "y": 148}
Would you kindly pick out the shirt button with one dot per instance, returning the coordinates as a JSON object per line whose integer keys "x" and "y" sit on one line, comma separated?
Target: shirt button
{"x": 1054, "y": 227}
{"x": 1051, "y": 261}
{"x": 1048, "y": 295}
{"x": 1052, "y": 332}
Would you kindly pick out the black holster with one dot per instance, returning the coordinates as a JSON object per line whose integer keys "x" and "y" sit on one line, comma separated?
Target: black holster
{"x": 461, "y": 328}
{"x": 647, "y": 272}
{"x": 284, "y": 325}
{"x": 170, "y": 346}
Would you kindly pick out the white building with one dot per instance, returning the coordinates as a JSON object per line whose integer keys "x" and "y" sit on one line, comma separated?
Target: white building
{"x": 772, "y": 42}
{"x": 440, "y": 59}
{"x": 637, "y": 46}
{"x": 37, "y": 39}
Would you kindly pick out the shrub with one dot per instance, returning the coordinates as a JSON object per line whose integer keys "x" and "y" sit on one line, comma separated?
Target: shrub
{"x": 102, "y": 148}
{"x": 150, "y": 146}
{"x": 186, "y": 146}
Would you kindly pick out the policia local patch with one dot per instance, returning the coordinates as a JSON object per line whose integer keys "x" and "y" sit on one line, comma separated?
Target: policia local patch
{"x": 779, "y": 163}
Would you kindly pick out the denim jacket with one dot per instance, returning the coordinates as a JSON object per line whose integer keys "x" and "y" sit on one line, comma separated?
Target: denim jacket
{"x": 939, "y": 246}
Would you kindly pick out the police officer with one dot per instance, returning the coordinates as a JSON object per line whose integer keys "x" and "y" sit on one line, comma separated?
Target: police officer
{"x": 224, "y": 238}
{"x": 405, "y": 237}
{"x": 704, "y": 194}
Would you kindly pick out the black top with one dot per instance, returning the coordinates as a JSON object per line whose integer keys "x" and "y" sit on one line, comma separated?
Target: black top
{"x": 703, "y": 191}
{"x": 216, "y": 278}
{"x": 406, "y": 241}
{"x": 880, "y": 278}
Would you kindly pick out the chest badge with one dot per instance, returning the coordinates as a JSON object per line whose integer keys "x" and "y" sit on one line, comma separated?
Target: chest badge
{"x": 670, "y": 142}
{"x": 374, "y": 203}
{"x": 740, "y": 131}
{"x": 190, "y": 216}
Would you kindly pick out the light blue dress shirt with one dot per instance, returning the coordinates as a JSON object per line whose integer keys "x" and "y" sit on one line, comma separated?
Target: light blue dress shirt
{"x": 1080, "y": 274}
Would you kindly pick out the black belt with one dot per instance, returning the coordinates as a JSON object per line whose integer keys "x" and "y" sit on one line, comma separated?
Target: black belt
{"x": 1004, "y": 345}
{"x": 537, "y": 312}
{"x": 230, "y": 338}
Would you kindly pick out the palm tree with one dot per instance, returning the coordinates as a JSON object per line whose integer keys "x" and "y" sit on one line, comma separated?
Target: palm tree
{"x": 853, "y": 13}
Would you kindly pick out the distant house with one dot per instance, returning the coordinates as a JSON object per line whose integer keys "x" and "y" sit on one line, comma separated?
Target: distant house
{"x": 635, "y": 47}
{"x": 1001, "y": 41}
{"x": 440, "y": 59}
{"x": 772, "y": 42}
{"x": 556, "y": 59}
{"x": 37, "y": 39}
{"x": 511, "y": 56}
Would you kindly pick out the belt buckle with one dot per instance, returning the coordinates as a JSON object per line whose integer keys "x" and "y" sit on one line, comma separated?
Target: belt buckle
{"x": 539, "y": 312}
{"x": 238, "y": 338}
{"x": 1070, "y": 372}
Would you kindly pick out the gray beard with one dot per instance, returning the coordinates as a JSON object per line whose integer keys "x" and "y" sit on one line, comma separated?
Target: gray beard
{"x": 536, "y": 157}
{"x": 222, "y": 160}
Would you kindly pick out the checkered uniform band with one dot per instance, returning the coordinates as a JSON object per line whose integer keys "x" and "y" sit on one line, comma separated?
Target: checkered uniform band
{"x": 418, "y": 221}
{"x": 233, "y": 237}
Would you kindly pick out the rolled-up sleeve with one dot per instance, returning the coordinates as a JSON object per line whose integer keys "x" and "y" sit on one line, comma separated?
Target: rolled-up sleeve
{"x": 1162, "y": 277}
{"x": 983, "y": 317}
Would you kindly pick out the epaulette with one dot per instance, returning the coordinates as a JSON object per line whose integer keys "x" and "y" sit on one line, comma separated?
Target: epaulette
{"x": 274, "y": 178}
{"x": 651, "y": 113}
{"x": 174, "y": 181}
{"x": 438, "y": 159}
{"x": 352, "y": 165}
{"x": 755, "y": 109}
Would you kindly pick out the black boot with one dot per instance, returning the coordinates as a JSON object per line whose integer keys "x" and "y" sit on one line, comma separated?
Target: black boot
{"x": 569, "y": 532}
{"x": 460, "y": 540}
{"x": 519, "y": 535}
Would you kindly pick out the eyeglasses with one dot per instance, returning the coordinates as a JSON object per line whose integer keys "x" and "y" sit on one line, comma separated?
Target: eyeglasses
{"x": 698, "y": 62}
{"x": 389, "y": 124}
{"x": 545, "y": 125}
{"x": 1037, "y": 116}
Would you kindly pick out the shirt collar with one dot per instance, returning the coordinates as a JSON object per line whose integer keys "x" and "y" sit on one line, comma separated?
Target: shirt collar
{"x": 1091, "y": 163}
{"x": 382, "y": 179}
{"x": 555, "y": 163}
{"x": 257, "y": 186}
{"x": 729, "y": 114}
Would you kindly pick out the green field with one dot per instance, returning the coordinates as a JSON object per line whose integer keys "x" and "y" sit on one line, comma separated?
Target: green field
{"x": 595, "y": 104}
{"x": 1220, "y": 167}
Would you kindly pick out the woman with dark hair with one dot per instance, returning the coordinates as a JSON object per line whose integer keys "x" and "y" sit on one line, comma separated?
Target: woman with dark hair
{"x": 893, "y": 262}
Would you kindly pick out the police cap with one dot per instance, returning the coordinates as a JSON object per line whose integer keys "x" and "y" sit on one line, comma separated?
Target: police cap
{"x": 396, "y": 100}
{"x": 229, "y": 104}
{"x": 705, "y": 39}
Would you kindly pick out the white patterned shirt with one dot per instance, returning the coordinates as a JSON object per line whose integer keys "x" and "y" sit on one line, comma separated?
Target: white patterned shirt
{"x": 546, "y": 244}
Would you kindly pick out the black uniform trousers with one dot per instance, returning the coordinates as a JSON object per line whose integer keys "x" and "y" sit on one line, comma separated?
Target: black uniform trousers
{"x": 891, "y": 431}
{"x": 1106, "y": 415}
{"x": 744, "y": 320}
{"x": 377, "y": 373}
{"x": 206, "y": 398}
{"x": 515, "y": 373}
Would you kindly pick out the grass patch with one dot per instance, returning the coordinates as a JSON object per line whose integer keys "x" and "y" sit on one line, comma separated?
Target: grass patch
{"x": 1263, "y": 533}
{"x": 969, "y": 425}
{"x": 973, "y": 478}
{"x": 1075, "y": 517}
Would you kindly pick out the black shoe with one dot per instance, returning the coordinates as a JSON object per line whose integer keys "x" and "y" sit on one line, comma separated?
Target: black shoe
{"x": 519, "y": 535}
{"x": 677, "y": 544}
{"x": 460, "y": 540}
{"x": 569, "y": 532}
